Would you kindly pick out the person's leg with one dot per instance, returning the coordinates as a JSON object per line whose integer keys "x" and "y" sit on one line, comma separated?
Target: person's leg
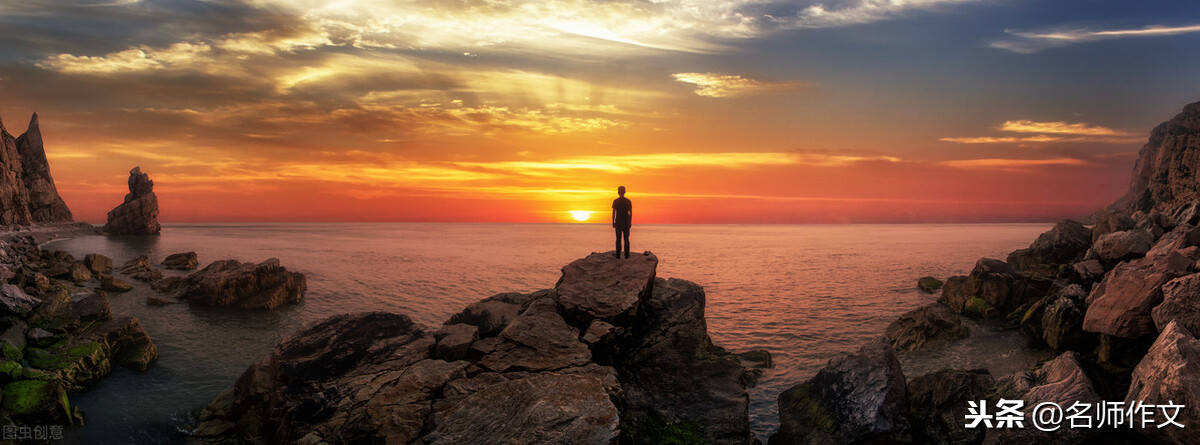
{"x": 626, "y": 233}
{"x": 618, "y": 251}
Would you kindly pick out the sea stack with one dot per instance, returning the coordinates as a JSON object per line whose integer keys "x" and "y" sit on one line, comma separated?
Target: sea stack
{"x": 138, "y": 215}
{"x": 27, "y": 191}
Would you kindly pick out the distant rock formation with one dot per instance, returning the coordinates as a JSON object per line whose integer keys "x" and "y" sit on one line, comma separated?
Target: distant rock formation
{"x": 138, "y": 215}
{"x": 1165, "y": 174}
{"x": 574, "y": 364}
{"x": 27, "y": 191}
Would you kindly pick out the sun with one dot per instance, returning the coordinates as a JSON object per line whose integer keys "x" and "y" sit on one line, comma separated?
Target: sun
{"x": 581, "y": 215}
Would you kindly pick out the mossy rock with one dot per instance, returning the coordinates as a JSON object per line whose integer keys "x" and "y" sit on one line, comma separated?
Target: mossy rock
{"x": 977, "y": 308}
{"x": 661, "y": 431}
{"x": 10, "y": 370}
{"x": 45, "y": 359}
{"x": 10, "y": 352}
{"x": 138, "y": 357}
{"x": 35, "y": 397}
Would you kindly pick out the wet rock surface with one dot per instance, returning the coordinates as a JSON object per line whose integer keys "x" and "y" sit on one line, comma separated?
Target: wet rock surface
{"x": 265, "y": 285}
{"x": 926, "y": 328}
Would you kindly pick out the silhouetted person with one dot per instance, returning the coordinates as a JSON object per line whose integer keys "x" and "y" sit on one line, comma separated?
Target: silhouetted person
{"x": 622, "y": 219}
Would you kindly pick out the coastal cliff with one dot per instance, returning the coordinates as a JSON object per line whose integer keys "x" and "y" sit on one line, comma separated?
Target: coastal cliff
{"x": 611, "y": 353}
{"x": 27, "y": 191}
{"x": 1117, "y": 301}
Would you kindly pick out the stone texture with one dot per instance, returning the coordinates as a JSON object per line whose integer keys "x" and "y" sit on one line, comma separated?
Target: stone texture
{"x": 1062, "y": 381}
{"x": 552, "y": 408}
{"x": 454, "y": 340}
{"x": 138, "y": 215}
{"x": 601, "y": 286}
{"x": 993, "y": 289}
{"x": 1164, "y": 177}
{"x": 1181, "y": 304}
{"x": 1170, "y": 373}
{"x": 1120, "y": 304}
{"x": 140, "y": 268}
{"x": 538, "y": 342}
{"x": 1123, "y": 245}
{"x": 98, "y": 263}
{"x": 27, "y": 191}
{"x": 181, "y": 261}
{"x": 938, "y": 405}
{"x": 490, "y": 315}
{"x": 1109, "y": 221}
{"x": 265, "y": 285}
{"x": 112, "y": 284}
{"x": 1062, "y": 321}
{"x": 14, "y": 301}
{"x": 856, "y": 398}
{"x": 929, "y": 284}
{"x": 926, "y": 328}
{"x": 1063, "y": 244}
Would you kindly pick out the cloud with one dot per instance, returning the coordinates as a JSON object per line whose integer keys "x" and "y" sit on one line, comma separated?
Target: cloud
{"x": 855, "y": 12}
{"x": 1058, "y": 127}
{"x": 733, "y": 85}
{"x": 1012, "y": 165}
{"x": 1061, "y": 131}
{"x": 1028, "y": 42}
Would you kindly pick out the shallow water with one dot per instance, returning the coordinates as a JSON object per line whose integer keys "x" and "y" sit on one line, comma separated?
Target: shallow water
{"x": 804, "y": 293}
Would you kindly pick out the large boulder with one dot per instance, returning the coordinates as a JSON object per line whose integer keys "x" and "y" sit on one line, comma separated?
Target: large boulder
{"x": 1181, "y": 304}
{"x": 14, "y": 301}
{"x": 1120, "y": 304}
{"x": 601, "y": 286}
{"x": 141, "y": 269}
{"x": 1061, "y": 381}
{"x": 677, "y": 384}
{"x": 491, "y": 314}
{"x": 1170, "y": 374}
{"x": 938, "y": 403}
{"x": 1110, "y": 221}
{"x": 138, "y": 215}
{"x": 1062, "y": 321}
{"x": 1064, "y": 244}
{"x": 992, "y": 289}
{"x": 926, "y": 328}
{"x": 856, "y": 398}
{"x": 538, "y": 341}
{"x": 181, "y": 261}
{"x": 265, "y": 285}
{"x": 1124, "y": 245}
{"x": 97, "y": 263}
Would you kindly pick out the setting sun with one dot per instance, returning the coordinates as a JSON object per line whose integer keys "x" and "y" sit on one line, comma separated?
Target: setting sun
{"x": 581, "y": 215}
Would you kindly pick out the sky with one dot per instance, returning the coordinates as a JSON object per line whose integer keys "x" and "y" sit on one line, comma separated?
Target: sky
{"x": 708, "y": 111}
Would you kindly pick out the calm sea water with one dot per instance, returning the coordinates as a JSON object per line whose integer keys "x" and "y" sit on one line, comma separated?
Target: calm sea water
{"x": 805, "y": 293}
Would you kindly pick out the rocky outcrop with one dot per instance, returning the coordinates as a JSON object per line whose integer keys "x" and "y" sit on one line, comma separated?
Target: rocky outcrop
{"x": 596, "y": 288}
{"x": 138, "y": 215}
{"x": 27, "y": 191}
{"x": 1061, "y": 381}
{"x": 509, "y": 369}
{"x": 140, "y": 268}
{"x": 993, "y": 289}
{"x": 1170, "y": 374}
{"x": 939, "y": 402}
{"x": 265, "y": 285}
{"x": 926, "y": 328}
{"x": 1164, "y": 177}
{"x": 929, "y": 284}
{"x": 856, "y": 398}
{"x": 1181, "y": 304}
{"x": 1064, "y": 244}
{"x": 1120, "y": 304}
{"x": 181, "y": 261}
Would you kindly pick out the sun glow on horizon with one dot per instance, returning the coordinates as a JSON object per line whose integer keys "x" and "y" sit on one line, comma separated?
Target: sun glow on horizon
{"x": 581, "y": 215}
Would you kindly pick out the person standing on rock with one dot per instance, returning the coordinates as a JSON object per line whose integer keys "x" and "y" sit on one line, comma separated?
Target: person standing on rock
{"x": 622, "y": 219}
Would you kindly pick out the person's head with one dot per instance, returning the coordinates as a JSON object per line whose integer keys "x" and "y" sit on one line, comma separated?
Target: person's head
{"x": 621, "y": 191}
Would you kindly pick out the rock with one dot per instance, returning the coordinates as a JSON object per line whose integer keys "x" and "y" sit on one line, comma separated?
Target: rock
{"x": 156, "y": 301}
{"x": 1064, "y": 244}
{"x": 1062, "y": 321}
{"x": 926, "y": 328}
{"x": 754, "y": 362}
{"x": 992, "y": 289}
{"x": 856, "y": 398}
{"x": 601, "y": 286}
{"x": 454, "y": 340}
{"x": 12, "y": 339}
{"x": 97, "y": 263}
{"x": 598, "y": 331}
{"x": 929, "y": 284}
{"x": 38, "y": 402}
{"x": 538, "y": 342}
{"x": 167, "y": 284}
{"x": 265, "y": 285}
{"x": 1088, "y": 271}
{"x": 27, "y": 191}
{"x": 1110, "y": 221}
{"x": 138, "y": 215}
{"x": 94, "y": 307}
{"x": 678, "y": 386}
{"x": 40, "y": 337}
{"x": 85, "y": 357}
{"x": 41, "y": 282}
{"x": 139, "y": 268}
{"x": 1181, "y": 304}
{"x": 14, "y": 301}
{"x": 181, "y": 261}
{"x": 489, "y": 315}
{"x": 540, "y": 409}
{"x": 938, "y": 403}
{"x": 1124, "y": 245}
{"x": 113, "y": 284}
{"x": 1170, "y": 374}
{"x": 1164, "y": 178}
{"x": 1120, "y": 304}
{"x": 1060, "y": 381}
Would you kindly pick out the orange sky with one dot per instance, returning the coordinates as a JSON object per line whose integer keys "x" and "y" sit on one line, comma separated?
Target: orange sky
{"x": 708, "y": 112}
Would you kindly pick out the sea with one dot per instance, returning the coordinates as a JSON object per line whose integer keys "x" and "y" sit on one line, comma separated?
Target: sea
{"x": 805, "y": 293}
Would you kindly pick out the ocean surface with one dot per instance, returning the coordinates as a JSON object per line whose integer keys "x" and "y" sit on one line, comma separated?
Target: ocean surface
{"x": 806, "y": 293}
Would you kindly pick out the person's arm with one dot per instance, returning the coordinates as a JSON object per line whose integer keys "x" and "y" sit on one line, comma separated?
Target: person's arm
{"x": 614, "y": 217}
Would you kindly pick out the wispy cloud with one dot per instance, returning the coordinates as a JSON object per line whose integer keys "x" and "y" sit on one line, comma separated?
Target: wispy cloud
{"x": 1014, "y": 165}
{"x": 733, "y": 85}
{"x": 1028, "y": 42}
{"x": 1057, "y": 131}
